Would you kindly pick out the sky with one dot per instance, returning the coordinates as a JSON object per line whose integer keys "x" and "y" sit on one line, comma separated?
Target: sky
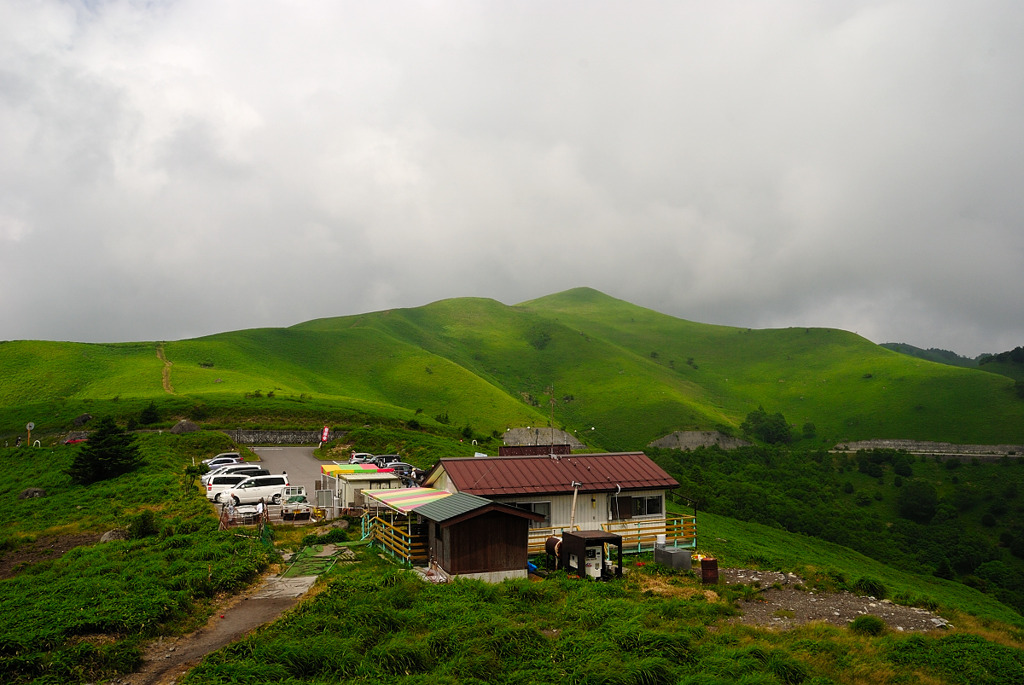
{"x": 170, "y": 170}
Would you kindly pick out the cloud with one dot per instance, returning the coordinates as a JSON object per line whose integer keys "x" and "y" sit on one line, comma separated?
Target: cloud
{"x": 184, "y": 168}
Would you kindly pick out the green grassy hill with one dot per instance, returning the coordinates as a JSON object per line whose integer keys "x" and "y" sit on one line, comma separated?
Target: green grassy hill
{"x": 621, "y": 374}
{"x": 89, "y": 615}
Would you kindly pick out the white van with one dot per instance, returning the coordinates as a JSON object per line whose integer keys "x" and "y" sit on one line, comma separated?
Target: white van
{"x": 217, "y": 485}
{"x": 254, "y": 488}
{"x": 231, "y": 468}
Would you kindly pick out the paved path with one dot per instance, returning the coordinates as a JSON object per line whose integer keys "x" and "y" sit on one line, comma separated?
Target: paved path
{"x": 300, "y": 464}
{"x": 284, "y": 588}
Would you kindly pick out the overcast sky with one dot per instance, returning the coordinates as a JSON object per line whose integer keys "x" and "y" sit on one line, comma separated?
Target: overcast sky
{"x": 176, "y": 169}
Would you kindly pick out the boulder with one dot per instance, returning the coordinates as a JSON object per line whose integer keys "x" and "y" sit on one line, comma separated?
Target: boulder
{"x": 115, "y": 534}
{"x": 29, "y": 493}
{"x": 184, "y": 426}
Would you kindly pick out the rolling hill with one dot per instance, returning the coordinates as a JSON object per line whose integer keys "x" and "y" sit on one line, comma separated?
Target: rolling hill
{"x": 618, "y": 374}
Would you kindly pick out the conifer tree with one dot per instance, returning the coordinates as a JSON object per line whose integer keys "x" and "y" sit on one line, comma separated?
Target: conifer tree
{"x": 110, "y": 451}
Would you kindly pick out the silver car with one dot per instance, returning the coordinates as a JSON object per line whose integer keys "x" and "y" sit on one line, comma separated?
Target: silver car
{"x": 230, "y": 468}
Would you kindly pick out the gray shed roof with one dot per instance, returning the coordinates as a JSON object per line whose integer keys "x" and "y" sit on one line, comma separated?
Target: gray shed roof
{"x": 460, "y": 504}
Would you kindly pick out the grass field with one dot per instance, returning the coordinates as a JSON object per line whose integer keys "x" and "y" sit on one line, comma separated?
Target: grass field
{"x": 372, "y": 623}
{"x": 93, "y": 610}
{"x": 85, "y": 615}
{"x": 624, "y": 374}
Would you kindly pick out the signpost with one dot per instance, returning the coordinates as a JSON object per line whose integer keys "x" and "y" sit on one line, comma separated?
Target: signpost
{"x": 29, "y": 426}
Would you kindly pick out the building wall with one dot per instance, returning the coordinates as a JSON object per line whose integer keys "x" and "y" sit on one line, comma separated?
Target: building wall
{"x": 444, "y": 483}
{"x": 348, "y": 494}
{"x": 528, "y": 450}
{"x": 496, "y": 576}
{"x": 592, "y": 510}
{"x": 487, "y": 543}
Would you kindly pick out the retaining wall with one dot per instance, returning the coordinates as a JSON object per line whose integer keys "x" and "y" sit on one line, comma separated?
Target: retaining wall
{"x": 268, "y": 437}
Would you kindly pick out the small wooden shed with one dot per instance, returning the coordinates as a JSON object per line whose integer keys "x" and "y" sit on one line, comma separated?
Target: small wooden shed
{"x": 470, "y": 536}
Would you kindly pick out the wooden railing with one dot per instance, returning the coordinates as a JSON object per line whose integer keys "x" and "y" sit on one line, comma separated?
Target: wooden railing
{"x": 641, "y": 534}
{"x": 395, "y": 539}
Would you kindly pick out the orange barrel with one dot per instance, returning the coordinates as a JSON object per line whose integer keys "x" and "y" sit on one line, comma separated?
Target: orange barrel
{"x": 709, "y": 570}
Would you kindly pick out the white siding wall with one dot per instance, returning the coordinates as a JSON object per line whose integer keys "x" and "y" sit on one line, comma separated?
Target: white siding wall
{"x": 591, "y": 510}
{"x": 589, "y": 514}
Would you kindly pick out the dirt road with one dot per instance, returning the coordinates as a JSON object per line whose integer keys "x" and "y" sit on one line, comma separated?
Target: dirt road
{"x": 168, "y": 660}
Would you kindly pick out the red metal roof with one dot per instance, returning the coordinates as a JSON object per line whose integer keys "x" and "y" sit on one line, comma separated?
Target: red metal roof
{"x": 608, "y": 472}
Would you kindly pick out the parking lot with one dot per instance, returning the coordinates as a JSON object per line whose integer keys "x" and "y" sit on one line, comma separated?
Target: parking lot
{"x": 298, "y": 462}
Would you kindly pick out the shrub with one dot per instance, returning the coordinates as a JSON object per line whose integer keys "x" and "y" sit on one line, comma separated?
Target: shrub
{"x": 872, "y": 587}
{"x": 918, "y": 501}
{"x": 869, "y": 625}
{"x": 149, "y": 415}
{"x": 142, "y": 525}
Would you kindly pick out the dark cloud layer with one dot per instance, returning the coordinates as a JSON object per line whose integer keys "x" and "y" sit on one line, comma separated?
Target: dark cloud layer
{"x": 177, "y": 169}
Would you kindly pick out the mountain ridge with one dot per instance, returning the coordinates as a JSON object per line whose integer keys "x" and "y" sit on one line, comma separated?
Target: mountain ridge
{"x": 581, "y": 357}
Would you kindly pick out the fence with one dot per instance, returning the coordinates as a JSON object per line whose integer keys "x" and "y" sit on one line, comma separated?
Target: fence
{"x": 397, "y": 539}
{"x": 640, "y": 536}
{"x": 271, "y": 437}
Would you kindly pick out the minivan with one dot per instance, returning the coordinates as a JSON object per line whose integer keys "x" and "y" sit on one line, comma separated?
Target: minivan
{"x": 218, "y": 484}
{"x": 230, "y": 468}
{"x": 255, "y": 488}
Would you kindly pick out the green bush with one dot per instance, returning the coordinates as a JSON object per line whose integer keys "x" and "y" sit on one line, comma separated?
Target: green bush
{"x": 872, "y": 587}
{"x": 869, "y": 625}
{"x": 142, "y": 525}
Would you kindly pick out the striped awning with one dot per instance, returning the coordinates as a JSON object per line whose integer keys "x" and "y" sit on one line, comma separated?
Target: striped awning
{"x": 404, "y": 500}
{"x": 328, "y": 469}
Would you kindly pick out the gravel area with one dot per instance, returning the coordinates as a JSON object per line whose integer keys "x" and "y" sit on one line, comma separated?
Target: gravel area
{"x": 786, "y": 606}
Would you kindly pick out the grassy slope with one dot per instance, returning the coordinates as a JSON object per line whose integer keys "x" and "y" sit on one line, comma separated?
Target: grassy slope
{"x": 368, "y": 617}
{"x": 349, "y": 362}
{"x": 740, "y": 544}
{"x": 845, "y": 385}
{"x": 526, "y": 355}
{"x": 35, "y": 371}
{"x": 630, "y": 373}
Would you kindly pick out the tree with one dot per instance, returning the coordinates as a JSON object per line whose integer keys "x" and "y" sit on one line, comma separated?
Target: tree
{"x": 109, "y": 452}
{"x": 769, "y": 428}
{"x": 149, "y": 415}
{"x": 917, "y": 501}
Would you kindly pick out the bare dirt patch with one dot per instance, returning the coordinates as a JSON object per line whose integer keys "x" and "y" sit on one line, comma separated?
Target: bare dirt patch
{"x": 782, "y": 603}
{"x": 44, "y": 548}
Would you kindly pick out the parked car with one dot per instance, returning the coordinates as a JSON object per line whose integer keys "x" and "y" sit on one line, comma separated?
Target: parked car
{"x": 401, "y": 468}
{"x": 384, "y": 460}
{"x": 253, "y": 489}
{"x": 237, "y": 456}
{"x": 217, "y": 485}
{"x": 221, "y": 461}
{"x": 361, "y": 458}
{"x": 230, "y": 468}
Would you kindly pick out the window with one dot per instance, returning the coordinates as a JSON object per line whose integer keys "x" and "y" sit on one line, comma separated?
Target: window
{"x": 626, "y": 507}
{"x": 537, "y": 508}
{"x": 645, "y": 506}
